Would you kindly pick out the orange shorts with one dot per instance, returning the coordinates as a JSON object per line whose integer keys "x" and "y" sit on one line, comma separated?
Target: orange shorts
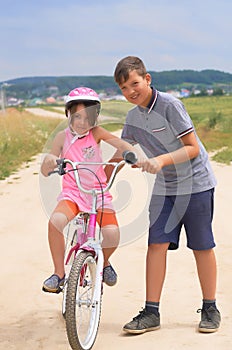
{"x": 70, "y": 209}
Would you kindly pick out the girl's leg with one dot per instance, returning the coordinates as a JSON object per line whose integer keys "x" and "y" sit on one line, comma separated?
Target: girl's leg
{"x": 110, "y": 233}
{"x": 63, "y": 213}
{"x": 56, "y": 241}
{"x": 207, "y": 272}
{"x": 155, "y": 270}
{"x": 110, "y": 241}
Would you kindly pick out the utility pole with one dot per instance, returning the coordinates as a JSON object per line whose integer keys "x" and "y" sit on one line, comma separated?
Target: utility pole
{"x": 3, "y": 98}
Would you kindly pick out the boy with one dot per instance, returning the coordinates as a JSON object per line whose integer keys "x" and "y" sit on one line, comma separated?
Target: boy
{"x": 184, "y": 186}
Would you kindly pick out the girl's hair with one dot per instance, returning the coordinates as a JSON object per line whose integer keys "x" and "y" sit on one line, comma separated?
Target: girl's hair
{"x": 126, "y": 65}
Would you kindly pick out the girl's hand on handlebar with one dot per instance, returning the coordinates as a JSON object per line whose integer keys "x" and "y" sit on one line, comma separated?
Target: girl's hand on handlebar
{"x": 49, "y": 164}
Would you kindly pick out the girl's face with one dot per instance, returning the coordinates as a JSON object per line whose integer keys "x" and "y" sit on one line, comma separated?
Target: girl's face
{"x": 137, "y": 89}
{"x": 79, "y": 120}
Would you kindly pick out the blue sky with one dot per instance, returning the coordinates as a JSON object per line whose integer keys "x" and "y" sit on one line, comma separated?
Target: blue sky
{"x": 57, "y": 38}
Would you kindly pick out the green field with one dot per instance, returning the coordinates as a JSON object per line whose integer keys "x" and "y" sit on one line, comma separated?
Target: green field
{"x": 22, "y": 135}
{"x": 212, "y": 117}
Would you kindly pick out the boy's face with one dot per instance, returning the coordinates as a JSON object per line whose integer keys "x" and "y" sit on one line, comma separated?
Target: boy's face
{"x": 137, "y": 89}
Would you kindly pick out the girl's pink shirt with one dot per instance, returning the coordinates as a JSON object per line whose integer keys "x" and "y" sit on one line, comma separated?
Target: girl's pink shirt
{"x": 83, "y": 149}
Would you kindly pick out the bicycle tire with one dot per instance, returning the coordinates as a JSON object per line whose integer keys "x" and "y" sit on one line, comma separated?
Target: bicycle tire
{"x": 70, "y": 241}
{"x": 82, "y": 312}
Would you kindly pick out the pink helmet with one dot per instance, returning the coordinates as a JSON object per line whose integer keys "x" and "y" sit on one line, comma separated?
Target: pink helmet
{"x": 82, "y": 94}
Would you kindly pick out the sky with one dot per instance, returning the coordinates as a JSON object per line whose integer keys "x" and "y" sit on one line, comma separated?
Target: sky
{"x": 63, "y": 38}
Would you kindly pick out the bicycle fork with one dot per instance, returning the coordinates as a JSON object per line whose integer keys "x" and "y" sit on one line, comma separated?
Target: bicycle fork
{"x": 96, "y": 249}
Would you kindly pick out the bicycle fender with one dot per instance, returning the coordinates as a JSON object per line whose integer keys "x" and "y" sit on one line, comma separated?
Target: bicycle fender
{"x": 87, "y": 248}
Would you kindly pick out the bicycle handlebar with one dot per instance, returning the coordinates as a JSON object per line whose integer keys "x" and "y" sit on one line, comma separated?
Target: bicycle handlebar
{"x": 128, "y": 157}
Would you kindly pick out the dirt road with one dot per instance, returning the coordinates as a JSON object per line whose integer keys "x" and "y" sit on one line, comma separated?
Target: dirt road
{"x": 31, "y": 319}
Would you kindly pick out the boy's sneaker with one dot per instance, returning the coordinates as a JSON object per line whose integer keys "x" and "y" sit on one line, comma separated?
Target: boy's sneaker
{"x": 210, "y": 320}
{"x": 144, "y": 322}
{"x": 109, "y": 276}
{"x": 53, "y": 284}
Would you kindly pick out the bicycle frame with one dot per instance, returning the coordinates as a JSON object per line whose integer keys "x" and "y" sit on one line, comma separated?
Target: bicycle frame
{"x": 90, "y": 243}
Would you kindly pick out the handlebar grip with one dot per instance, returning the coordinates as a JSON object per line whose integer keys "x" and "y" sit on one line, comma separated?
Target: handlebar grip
{"x": 60, "y": 161}
{"x": 129, "y": 157}
{"x": 61, "y": 166}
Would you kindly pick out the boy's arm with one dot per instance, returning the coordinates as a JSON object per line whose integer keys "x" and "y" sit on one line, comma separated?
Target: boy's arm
{"x": 49, "y": 161}
{"x": 189, "y": 151}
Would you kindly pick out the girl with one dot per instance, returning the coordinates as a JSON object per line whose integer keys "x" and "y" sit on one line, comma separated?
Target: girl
{"x": 80, "y": 142}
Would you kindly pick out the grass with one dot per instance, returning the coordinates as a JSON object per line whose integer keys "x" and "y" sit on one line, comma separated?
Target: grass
{"x": 213, "y": 121}
{"x": 213, "y": 112}
{"x": 22, "y": 135}
{"x": 116, "y": 109}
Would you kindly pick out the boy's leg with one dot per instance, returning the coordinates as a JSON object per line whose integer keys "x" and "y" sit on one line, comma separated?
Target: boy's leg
{"x": 207, "y": 272}
{"x": 198, "y": 225}
{"x": 149, "y": 318}
{"x": 155, "y": 270}
{"x": 159, "y": 241}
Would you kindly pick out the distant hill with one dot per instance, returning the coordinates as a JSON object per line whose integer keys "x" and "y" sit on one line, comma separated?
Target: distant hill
{"x": 31, "y": 87}
{"x": 191, "y": 78}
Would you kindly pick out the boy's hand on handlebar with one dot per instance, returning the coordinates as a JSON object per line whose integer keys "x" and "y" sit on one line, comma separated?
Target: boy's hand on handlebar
{"x": 150, "y": 165}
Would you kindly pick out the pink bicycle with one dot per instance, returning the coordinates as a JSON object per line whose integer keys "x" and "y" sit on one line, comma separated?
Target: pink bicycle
{"x": 82, "y": 290}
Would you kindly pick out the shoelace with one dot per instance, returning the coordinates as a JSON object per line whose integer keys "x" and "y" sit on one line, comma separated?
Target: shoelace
{"x": 206, "y": 312}
{"x": 140, "y": 315}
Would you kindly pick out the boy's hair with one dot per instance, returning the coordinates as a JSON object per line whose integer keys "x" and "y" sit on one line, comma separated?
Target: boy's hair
{"x": 126, "y": 65}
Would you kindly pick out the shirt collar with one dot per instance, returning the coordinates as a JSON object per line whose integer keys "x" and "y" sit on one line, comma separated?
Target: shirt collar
{"x": 152, "y": 101}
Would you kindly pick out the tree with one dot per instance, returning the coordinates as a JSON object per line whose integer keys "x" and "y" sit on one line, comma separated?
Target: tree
{"x": 218, "y": 92}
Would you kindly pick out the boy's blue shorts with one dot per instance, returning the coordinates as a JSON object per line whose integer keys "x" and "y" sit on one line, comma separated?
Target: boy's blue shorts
{"x": 194, "y": 212}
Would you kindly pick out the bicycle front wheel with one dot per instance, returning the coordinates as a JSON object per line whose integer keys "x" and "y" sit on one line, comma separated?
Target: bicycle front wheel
{"x": 83, "y": 304}
{"x": 70, "y": 242}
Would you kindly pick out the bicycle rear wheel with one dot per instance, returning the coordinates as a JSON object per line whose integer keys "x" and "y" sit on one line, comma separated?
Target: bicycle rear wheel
{"x": 83, "y": 302}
